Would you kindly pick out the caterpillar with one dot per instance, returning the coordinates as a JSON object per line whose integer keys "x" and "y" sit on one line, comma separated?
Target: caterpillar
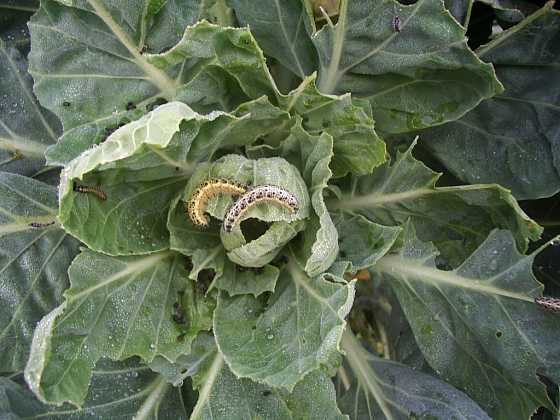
{"x": 197, "y": 204}
{"x": 39, "y": 225}
{"x": 97, "y": 191}
{"x": 548, "y": 303}
{"x": 396, "y": 24}
{"x": 256, "y": 270}
{"x": 255, "y": 196}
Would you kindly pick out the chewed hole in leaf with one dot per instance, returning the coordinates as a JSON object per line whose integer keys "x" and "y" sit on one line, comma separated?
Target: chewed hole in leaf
{"x": 206, "y": 276}
{"x": 253, "y": 228}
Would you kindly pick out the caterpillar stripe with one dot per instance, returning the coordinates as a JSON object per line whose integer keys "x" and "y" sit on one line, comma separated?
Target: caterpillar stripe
{"x": 97, "y": 191}
{"x": 548, "y": 303}
{"x": 196, "y": 206}
{"x": 255, "y": 196}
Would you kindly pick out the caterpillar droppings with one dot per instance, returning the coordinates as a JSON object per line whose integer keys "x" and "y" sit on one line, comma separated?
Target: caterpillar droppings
{"x": 548, "y": 303}
{"x": 97, "y": 191}
{"x": 196, "y": 205}
{"x": 255, "y": 196}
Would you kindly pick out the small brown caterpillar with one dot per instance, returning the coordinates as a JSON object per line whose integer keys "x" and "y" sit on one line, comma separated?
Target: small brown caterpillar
{"x": 255, "y": 196}
{"x": 548, "y": 303}
{"x": 196, "y": 206}
{"x": 396, "y": 24}
{"x": 97, "y": 191}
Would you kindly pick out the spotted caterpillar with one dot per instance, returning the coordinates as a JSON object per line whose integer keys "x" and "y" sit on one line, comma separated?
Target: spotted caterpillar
{"x": 255, "y": 196}
{"x": 196, "y": 206}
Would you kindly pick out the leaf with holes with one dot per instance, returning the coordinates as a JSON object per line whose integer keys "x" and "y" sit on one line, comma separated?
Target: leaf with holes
{"x": 115, "y": 308}
{"x": 279, "y": 339}
{"x": 490, "y": 296}
{"x": 84, "y": 51}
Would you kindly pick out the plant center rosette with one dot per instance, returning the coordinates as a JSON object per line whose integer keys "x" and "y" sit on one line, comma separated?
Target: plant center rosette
{"x": 129, "y": 194}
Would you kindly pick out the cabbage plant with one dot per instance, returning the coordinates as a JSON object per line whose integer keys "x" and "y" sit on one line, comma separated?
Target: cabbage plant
{"x": 400, "y": 286}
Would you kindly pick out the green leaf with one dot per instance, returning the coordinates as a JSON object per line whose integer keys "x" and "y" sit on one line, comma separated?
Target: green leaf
{"x": 277, "y": 341}
{"x": 241, "y": 281}
{"x": 83, "y": 52}
{"x": 115, "y": 308}
{"x": 26, "y": 129}
{"x": 118, "y": 390}
{"x": 511, "y": 139}
{"x": 312, "y": 155}
{"x": 460, "y": 10}
{"x": 234, "y": 67}
{"x": 81, "y": 137}
{"x": 136, "y": 168}
{"x": 362, "y": 242}
{"x": 203, "y": 349}
{"x": 456, "y": 219}
{"x": 253, "y": 119}
{"x": 313, "y": 397}
{"x": 420, "y": 76}
{"x": 266, "y": 247}
{"x": 382, "y": 388}
{"x": 33, "y": 264}
{"x": 478, "y": 325}
{"x": 280, "y": 28}
{"x": 222, "y": 395}
{"x": 357, "y": 148}
{"x": 202, "y": 245}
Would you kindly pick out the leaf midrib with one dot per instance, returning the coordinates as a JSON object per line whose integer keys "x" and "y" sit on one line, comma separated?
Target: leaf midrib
{"x": 135, "y": 267}
{"x": 159, "y": 78}
{"x": 209, "y": 382}
{"x": 334, "y": 73}
{"x": 397, "y": 265}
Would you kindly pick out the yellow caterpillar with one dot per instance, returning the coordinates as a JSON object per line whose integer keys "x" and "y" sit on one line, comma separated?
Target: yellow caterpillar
{"x": 196, "y": 205}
